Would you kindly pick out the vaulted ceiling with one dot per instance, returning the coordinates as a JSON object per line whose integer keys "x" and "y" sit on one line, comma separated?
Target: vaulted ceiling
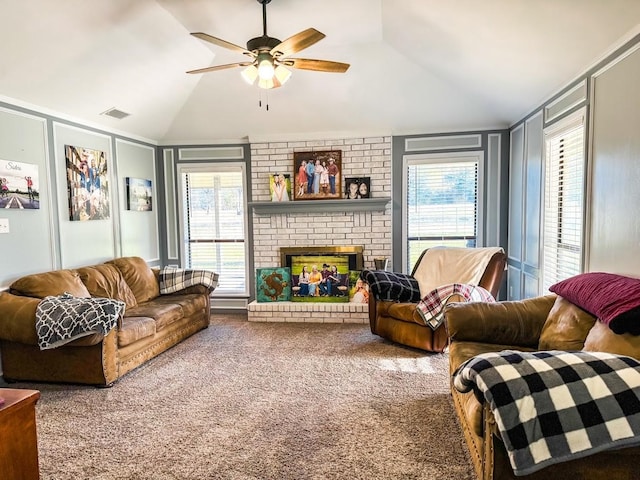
{"x": 417, "y": 66}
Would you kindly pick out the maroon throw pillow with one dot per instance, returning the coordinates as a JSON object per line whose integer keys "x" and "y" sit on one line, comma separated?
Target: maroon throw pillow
{"x": 614, "y": 299}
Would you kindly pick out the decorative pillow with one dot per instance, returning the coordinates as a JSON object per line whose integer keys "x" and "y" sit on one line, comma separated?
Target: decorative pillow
{"x": 431, "y": 307}
{"x": 614, "y": 299}
{"x": 390, "y": 286}
{"x": 566, "y": 327}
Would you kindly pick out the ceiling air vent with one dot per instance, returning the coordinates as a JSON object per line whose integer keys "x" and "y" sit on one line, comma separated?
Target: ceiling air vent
{"x": 115, "y": 113}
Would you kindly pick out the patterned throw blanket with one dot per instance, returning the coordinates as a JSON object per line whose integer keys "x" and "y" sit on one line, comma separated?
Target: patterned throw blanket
{"x": 554, "y": 406}
{"x": 174, "y": 279}
{"x": 61, "y": 319}
{"x": 431, "y": 307}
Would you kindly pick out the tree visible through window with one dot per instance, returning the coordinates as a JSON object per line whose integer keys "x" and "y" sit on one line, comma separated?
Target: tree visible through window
{"x": 441, "y": 203}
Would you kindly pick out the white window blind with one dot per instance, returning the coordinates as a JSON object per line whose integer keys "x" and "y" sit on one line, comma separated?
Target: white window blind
{"x": 214, "y": 225}
{"x": 441, "y": 204}
{"x": 563, "y": 201}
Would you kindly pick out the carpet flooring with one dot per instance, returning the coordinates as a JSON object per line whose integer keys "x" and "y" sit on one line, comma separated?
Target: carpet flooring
{"x": 245, "y": 400}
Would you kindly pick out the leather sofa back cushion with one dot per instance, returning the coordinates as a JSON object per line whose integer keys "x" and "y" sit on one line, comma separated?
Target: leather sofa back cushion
{"x": 602, "y": 339}
{"x": 106, "y": 281}
{"x": 566, "y": 327}
{"x": 54, "y": 283}
{"x": 140, "y": 278}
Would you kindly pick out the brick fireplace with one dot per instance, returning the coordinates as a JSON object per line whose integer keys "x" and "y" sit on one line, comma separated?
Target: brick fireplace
{"x": 370, "y": 230}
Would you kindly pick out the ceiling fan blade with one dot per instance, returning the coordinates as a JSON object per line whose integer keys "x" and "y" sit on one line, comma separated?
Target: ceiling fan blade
{"x": 317, "y": 65}
{"x": 220, "y": 67}
{"x": 221, "y": 43}
{"x": 298, "y": 42}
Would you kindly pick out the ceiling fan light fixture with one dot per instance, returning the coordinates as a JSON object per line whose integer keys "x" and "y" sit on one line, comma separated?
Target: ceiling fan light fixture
{"x": 266, "y": 69}
{"x": 268, "y": 83}
{"x": 250, "y": 74}
{"x": 282, "y": 74}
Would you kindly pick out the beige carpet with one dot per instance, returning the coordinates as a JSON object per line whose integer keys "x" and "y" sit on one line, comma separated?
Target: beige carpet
{"x": 245, "y": 400}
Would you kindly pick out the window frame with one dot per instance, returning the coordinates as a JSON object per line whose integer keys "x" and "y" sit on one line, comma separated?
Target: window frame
{"x": 553, "y": 131}
{"x": 442, "y": 158}
{"x": 212, "y": 167}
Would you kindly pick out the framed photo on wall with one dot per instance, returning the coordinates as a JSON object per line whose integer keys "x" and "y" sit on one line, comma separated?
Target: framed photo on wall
{"x": 19, "y": 185}
{"x": 317, "y": 175}
{"x": 357, "y": 187}
{"x": 87, "y": 183}
{"x": 138, "y": 194}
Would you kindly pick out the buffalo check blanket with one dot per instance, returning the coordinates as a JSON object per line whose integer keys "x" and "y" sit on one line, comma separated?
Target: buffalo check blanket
{"x": 173, "y": 279}
{"x": 431, "y": 307}
{"x": 554, "y": 406}
{"x": 64, "y": 318}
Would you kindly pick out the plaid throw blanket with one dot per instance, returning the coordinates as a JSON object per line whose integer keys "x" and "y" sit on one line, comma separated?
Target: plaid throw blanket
{"x": 431, "y": 307}
{"x": 554, "y": 406}
{"x": 391, "y": 286}
{"x": 173, "y": 279}
{"x": 61, "y": 319}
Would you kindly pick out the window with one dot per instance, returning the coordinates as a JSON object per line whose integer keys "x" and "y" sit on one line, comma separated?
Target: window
{"x": 563, "y": 200}
{"x": 441, "y": 205}
{"x": 214, "y": 223}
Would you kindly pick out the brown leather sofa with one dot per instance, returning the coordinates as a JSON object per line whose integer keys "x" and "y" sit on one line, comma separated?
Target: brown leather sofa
{"x": 399, "y": 321}
{"x": 151, "y": 324}
{"x": 542, "y": 323}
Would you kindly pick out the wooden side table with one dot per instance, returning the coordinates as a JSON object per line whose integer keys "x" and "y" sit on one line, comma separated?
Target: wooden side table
{"x": 18, "y": 438}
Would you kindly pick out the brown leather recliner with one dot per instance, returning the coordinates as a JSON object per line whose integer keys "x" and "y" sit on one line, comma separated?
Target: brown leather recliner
{"x": 399, "y": 321}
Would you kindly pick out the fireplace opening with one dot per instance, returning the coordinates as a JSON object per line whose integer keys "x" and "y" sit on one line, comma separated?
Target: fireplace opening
{"x": 347, "y": 262}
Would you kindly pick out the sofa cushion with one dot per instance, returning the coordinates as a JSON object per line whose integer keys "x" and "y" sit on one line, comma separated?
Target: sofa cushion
{"x": 140, "y": 278}
{"x": 135, "y": 328}
{"x": 190, "y": 303}
{"x": 602, "y": 339}
{"x": 566, "y": 327}
{"x": 106, "y": 281}
{"x": 162, "y": 313}
{"x": 614, "y": 299}
{"x": 53, "y": 283}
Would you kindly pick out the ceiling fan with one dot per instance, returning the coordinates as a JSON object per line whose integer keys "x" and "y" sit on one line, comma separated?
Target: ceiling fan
{"x": 270, "y": 56}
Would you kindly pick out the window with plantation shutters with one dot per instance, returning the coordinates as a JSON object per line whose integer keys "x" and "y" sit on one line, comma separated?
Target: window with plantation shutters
{"x": 441, "y": 205}
{"x": 563, "y": 201}
{"x": 214, "y": 224}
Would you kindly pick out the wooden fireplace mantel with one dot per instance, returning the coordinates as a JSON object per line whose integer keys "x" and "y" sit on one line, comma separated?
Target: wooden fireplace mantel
{"x": 320, "y": 206}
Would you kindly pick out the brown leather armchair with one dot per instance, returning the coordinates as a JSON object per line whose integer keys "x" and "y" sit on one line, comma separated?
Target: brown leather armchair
{"x": 397, "y": 319}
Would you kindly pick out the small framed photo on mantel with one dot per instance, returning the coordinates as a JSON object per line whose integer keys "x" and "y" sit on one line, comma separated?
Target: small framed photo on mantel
{"x": 357, "y": 187}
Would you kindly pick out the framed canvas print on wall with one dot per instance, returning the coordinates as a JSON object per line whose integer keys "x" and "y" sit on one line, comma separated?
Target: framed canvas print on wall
{"x": 87, "y": 183}
{"x": 357, "y": 187}
{"x": 19, "y": 185}
{"x": 280, "y": 187}
{"x": 138, "y": 194}
{"x": 317, "y": 175}
{"x": 273, "y": 284}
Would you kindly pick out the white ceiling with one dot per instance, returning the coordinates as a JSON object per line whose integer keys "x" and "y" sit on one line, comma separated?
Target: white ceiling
{"x": 417, "y": 66}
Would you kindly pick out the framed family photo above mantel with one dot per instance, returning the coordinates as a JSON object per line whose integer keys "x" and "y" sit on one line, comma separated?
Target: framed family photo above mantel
{"x": 317, "y": 175}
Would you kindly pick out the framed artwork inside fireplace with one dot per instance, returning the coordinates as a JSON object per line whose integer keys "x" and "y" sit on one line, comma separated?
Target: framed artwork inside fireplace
{"x": 317, "y": 175}
{"x": 273, "y": 284}
{"x": 310, "y": 287}
{"x": 357, "y": 187}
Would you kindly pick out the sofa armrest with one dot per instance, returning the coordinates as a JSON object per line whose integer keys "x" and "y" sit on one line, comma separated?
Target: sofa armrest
{"x": 18, "y": 319}
{"x": 517, "y": 323}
